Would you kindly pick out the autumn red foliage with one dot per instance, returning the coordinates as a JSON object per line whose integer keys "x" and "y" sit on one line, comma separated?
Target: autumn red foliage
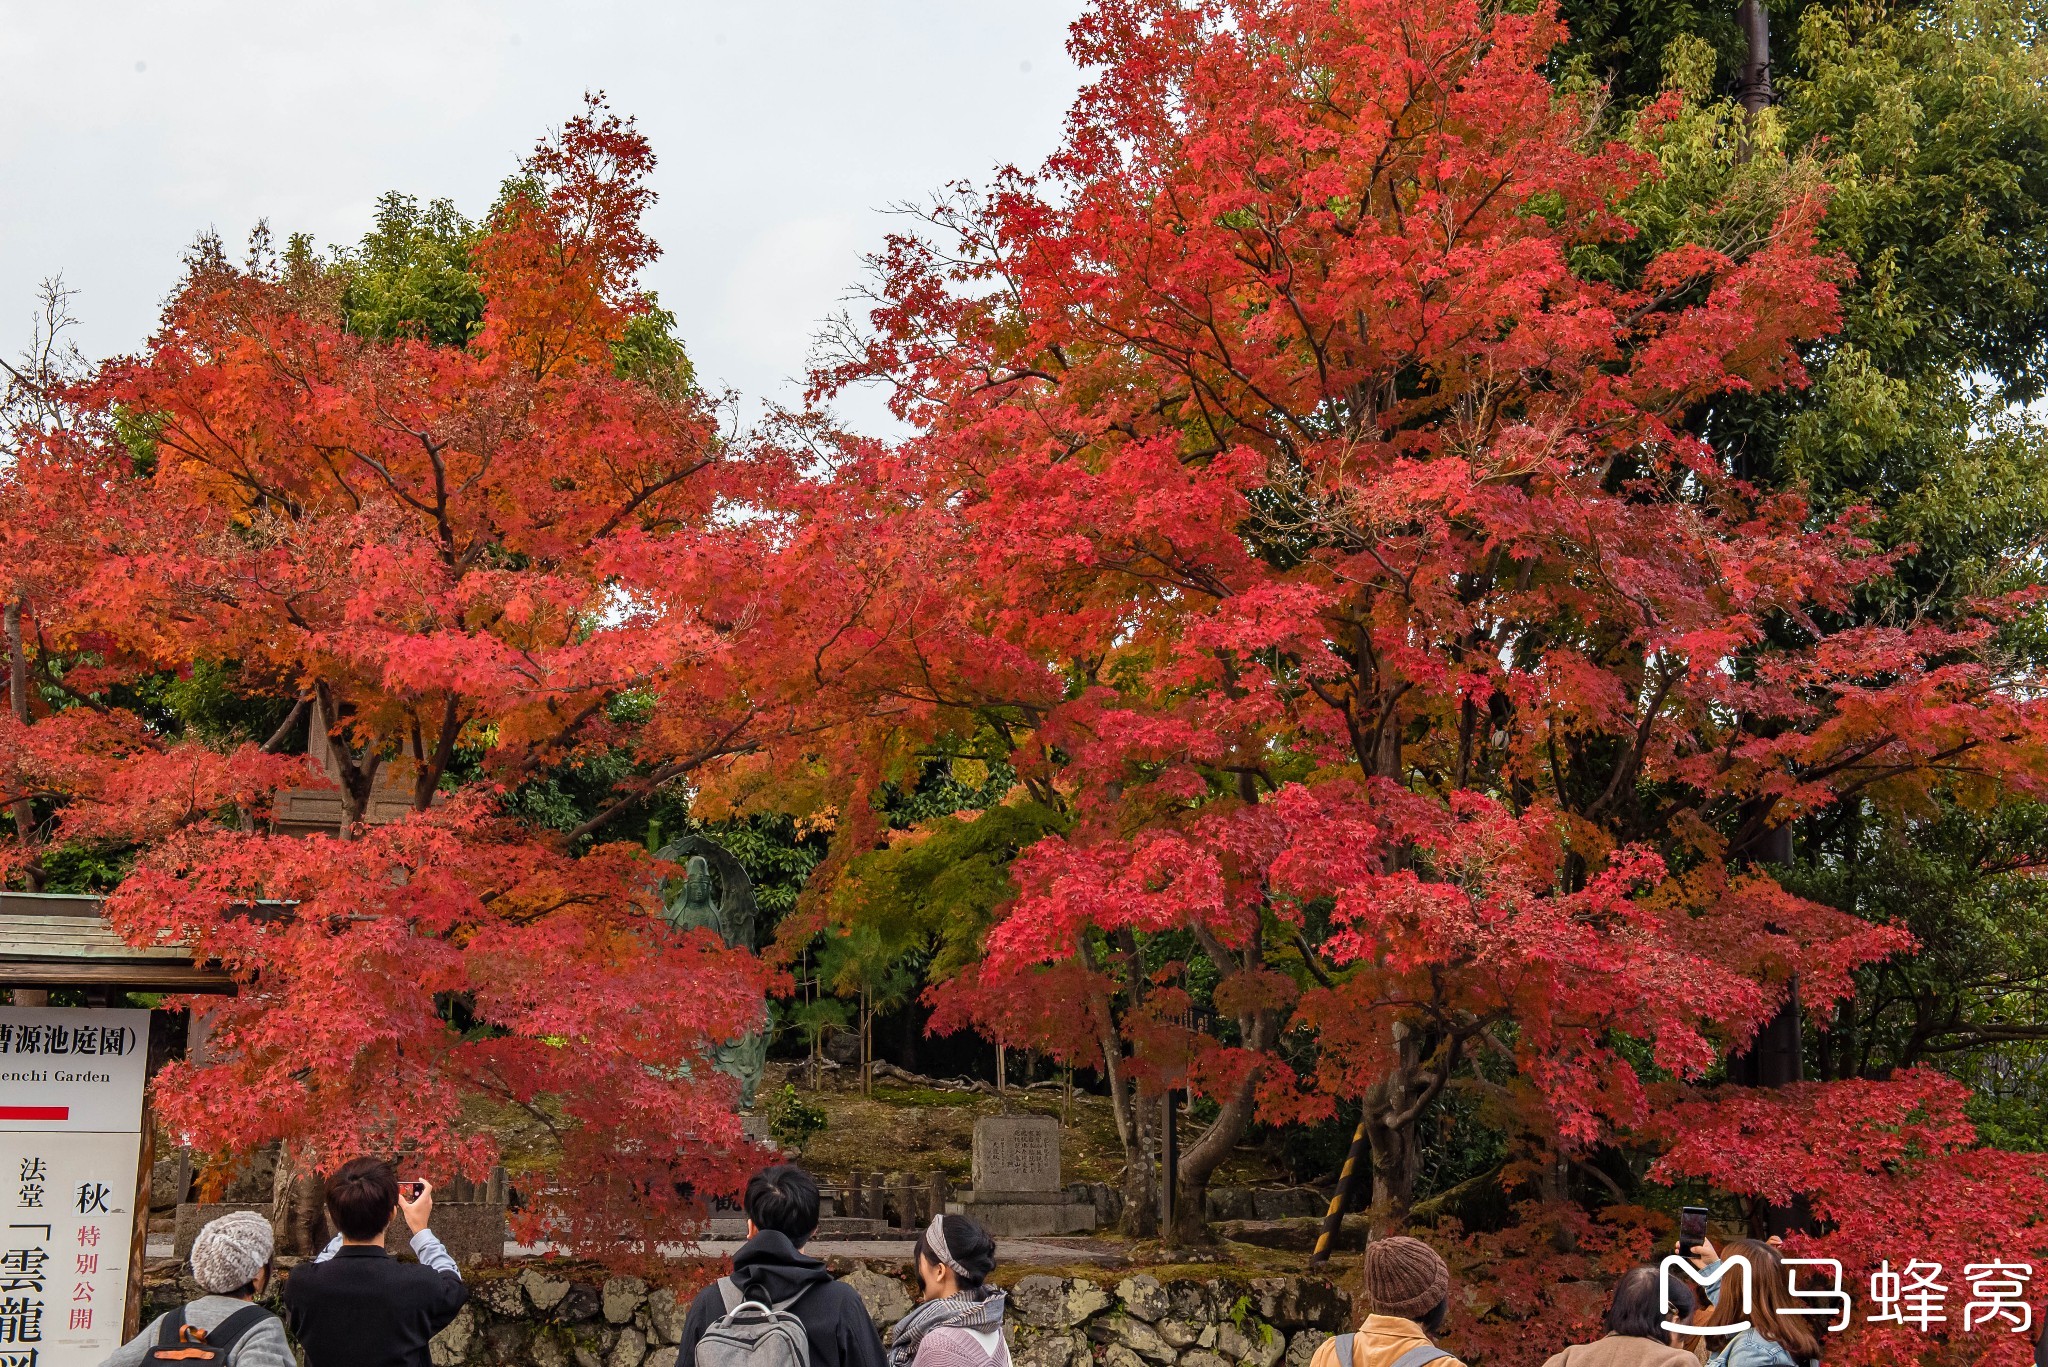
{"x": 1302, "y": 490}
{"x": 1304, "y": 455}
{"x": 506, "y": 551}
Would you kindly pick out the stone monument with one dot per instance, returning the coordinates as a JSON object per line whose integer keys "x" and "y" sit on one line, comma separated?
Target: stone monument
{"x": 1017, "y": 1191}
{"x": 688, "y": 905}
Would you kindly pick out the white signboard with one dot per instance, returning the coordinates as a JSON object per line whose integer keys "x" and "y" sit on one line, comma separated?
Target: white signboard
{"x": 73, "y": 1070}
{"x": 70, "y": 1138}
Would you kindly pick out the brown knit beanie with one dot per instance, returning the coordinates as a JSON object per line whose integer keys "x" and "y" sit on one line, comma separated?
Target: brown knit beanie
{"x": 1404, "y": 1277}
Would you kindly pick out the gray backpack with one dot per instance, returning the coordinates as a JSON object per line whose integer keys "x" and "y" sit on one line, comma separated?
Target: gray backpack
{"x": 753, "y": 1334}
{"x": 1418, "y": 1356}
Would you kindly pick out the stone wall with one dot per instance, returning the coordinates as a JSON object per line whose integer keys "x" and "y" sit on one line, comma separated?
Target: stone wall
{"x": 471, "y": 1231}
{"x": 568, "y": 1317}
{"x": 1075, "y": 1322}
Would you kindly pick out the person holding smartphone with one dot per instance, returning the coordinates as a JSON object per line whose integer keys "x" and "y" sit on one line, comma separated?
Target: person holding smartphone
{"x": 1774, "y": 1338}
{"x": 357, "y": 1306}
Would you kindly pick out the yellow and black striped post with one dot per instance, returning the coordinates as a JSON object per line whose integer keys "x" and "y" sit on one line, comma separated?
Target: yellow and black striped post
{"x": 1347, "y": 1180}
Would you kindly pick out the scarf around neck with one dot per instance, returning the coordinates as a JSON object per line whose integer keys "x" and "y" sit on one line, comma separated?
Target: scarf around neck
{"x": 979, "y": 1309}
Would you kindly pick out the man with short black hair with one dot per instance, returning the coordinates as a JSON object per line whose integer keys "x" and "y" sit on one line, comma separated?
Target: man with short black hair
{"x": 357, "y": 1306}
{"x": 782, "y": 1214}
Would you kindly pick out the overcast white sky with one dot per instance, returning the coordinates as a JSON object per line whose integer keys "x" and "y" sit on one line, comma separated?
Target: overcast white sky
{"x": 783, "y": 128}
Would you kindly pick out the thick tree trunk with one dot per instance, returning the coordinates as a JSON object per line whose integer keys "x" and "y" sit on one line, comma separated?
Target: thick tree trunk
{"x": 1392, "y": 1113}
{"x": 1132, "y": 1108}
{"x": 356, "y": 776}
{"x": 1233, "y": 1119}
{"x": 1396, "y": 1161}
{"x": 1756, "y": 92}
{"x": 427, "y": 774}
{"x": 1141, "y": 1166}
{"x": 1777, "y": 1056}
{"x": 298, "y": 1208}
{"x": 1133, "y": 1111}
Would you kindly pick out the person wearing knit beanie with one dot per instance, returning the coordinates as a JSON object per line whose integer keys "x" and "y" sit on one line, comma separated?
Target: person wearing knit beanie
{"x": 1404, "y": 1277}
{"x": 231, "y": 1252}
{"x": 1407, "y": 1290}
{"x": 231, "y": 1263}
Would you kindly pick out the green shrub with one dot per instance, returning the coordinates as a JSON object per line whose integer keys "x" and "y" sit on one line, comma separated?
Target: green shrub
{"x": 791, "y": 1120}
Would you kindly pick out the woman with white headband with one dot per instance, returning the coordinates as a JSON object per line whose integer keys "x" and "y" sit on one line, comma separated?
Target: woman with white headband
{"x": 959, "y": 1320}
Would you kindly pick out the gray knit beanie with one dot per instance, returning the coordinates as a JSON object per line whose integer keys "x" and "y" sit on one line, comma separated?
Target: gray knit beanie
{"x": 230, "y": 1251}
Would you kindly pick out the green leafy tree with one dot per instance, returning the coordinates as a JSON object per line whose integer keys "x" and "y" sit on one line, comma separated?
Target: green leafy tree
{"x": 814, "y": 1022}
{"x": 878, "y": 972}
{"x": 411, "y": 274}
{"x": 1929, "y": 126}
{"x": 938, "y": 890}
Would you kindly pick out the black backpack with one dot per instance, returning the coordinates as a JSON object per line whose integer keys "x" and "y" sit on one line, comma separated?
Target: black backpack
{"x": 191, "y": 1346}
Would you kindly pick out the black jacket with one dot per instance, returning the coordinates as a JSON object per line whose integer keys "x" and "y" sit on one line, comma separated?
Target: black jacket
{"x": 364, "y": 1308}
{"x": 769, "y": 1268}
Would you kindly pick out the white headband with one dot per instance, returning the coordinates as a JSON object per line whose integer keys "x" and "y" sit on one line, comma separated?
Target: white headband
{"x": 935, "y": 1239}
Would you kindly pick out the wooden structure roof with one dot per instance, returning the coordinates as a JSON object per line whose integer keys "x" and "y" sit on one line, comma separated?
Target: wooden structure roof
{"x": 57, "y": 940}
{"x": 61, "y": 940}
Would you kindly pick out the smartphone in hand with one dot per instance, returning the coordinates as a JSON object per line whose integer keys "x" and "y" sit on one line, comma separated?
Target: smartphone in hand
{"x": 1692, "y": 1228}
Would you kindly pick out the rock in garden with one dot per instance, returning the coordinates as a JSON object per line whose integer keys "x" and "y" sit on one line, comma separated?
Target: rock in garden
{"x": 451, "y": 1345}
{"x": 1141, "y": 1338}
{"x": 580, "y": 1304}
{"x": 621, "y": 1297}
{"x": 1040, "y": 1301}
{"x": 1189, "y": 1301}
{"x": 545, "y": 1292}
{"x": 1143, "y": 1297}
{"x": 1053, "y": 1350}
{"x": 884, "y": 1297}
{"x": 1301, "y": 1303}
{"x": 665, "y": 1315}
{"x": 506, "y": 1342}
{"x": 1303, "y": 1346}
{"x": 501, "y": 1296}
{"x": 1085, "y": 1300}
{"x": 627, "y": 1352}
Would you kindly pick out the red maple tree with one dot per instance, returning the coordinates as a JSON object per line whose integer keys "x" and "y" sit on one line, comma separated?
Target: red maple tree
{"x": 468, "y": 564}
{"x": 1303, "y": 461}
